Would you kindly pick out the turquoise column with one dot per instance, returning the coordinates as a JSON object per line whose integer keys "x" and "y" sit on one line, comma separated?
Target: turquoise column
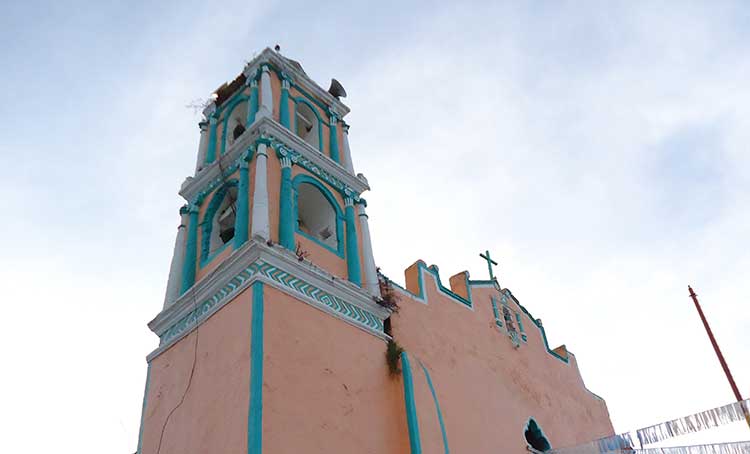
{"x": 243, "y": 206}
{"x": 191, "y": 251}
{"x": 284, "y": 104}
{"x": 211, "y": 152}
{"x": 334, "y": 138}
{"x": 352, "y": 248}
{"x": 411, "y": 407}
{"x": 255, "y": 411}
{"x": 286, "y": 210}
{"x": 252, "y": 107}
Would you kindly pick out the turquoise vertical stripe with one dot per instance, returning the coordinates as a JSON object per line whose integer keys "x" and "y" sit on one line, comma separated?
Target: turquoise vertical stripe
{"x": 352, "y": 248}
{"x": 143, "y": 409}
{"x": 284, "y": 106}
{"x": 191, "y": 251}
{"x": 243, "y": 208}
{"x": 494, "y": 308}
{"x": 286, "y": 210}
{"x": 211, "y": 152}
{"x": 252, "y": 108}
{"x": 255, "y": 412}
{"x": 334, "y": 141}
{"x": 437, "y": 406}
{"x": 411, "y": 407}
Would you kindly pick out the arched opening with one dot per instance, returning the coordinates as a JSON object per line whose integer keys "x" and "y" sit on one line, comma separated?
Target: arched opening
{"x": 306, "y": 124}
{"x": 535, "y": 437}
{"x": 237, "y": 131}
{"x": 222, "y": 225}
{"x": 235, "y": 124}
{"x": 316, "y": 217}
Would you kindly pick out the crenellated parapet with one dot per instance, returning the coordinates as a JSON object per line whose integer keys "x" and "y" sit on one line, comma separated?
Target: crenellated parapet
{"x": 481, "y": 302}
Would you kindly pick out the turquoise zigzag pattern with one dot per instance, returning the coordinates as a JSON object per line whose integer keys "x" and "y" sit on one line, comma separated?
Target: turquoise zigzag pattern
{"x": 283, "y": 278}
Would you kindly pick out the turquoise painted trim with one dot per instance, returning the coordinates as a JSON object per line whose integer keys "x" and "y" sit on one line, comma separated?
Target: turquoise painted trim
{"x": 540, "y": 327}
{"x": 334, "y": 142}
{"x": 143, "y": 409}
{"x": 205, "y": 261}
{"x": 286, "y": 210}
{"x": 284, "y": 107}
{"x": 225, "y": 121}
{"x": 255, "y": 411}
{"x": 252, "y": 108}
{"x": 208, "y": 221}
{"x": 433, "y": 269}
{"x": 191, "y": 251}
{"x": 307, "y": 179}
{"x": 498, "y": 320}
{"x": 310, "y": 97}
{"x": 317, "y": 116}
{"x": 411, "y": 408}
{"x": 211, "y": 151}
{"x": 437, "y": 406}
{"x": 352, "y": 248}
{"x": 284, "y": 279}
{"x": 243, "y": 207}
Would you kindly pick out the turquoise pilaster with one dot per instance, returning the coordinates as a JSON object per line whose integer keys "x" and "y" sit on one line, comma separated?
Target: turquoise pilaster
{"x": 191, "y": 251}
{"x": 255, "y": 411}
{"x": 286, "y": 210}
{"x": 334, "y": 139}
{"x": 211, "y": 151}
{"x": 252, "y": 107}
{"x": 243, "y": 206}
{"x": 352, "y": 248}
{"x": 284, "y": 104}
{"x": 411, "y": 407}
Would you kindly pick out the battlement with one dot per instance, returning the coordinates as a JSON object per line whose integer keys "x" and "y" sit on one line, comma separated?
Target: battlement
{"x": 480, "y": 303}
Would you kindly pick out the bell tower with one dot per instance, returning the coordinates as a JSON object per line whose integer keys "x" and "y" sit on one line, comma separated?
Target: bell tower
{"x": 272, "y": 279}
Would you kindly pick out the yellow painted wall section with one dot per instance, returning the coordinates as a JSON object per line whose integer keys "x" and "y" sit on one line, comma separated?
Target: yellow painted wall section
{"x": 326, "y": 385}
{"x": 486, "y": 387}
{"x": 213, "y": 415}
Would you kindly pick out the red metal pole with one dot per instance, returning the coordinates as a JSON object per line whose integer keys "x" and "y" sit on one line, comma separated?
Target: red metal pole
{"x": 724, "y": 366}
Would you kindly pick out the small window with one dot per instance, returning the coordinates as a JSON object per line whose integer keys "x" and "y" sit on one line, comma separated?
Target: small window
{"x": 315, "y": 216}
{"x": 222, "y": 229}
{"x": 535, "y": 437}
{"x": 307, "y": 125}
{"x": 237, "y": 131}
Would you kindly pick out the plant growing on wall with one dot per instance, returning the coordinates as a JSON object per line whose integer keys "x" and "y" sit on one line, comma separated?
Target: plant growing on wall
{"x": 392, "y": 356}
{"x": 301, "y": 253}
{"x": 388, "y": 297}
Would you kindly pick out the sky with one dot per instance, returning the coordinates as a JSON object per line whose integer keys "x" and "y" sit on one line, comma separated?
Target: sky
{"x": 597, "y": 149}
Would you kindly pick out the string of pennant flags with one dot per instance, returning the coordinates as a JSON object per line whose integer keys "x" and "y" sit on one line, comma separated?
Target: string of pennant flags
{"x": 708, "y": 419}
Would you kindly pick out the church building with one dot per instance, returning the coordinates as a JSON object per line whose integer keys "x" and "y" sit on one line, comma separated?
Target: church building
{"x": 279, "y": 335}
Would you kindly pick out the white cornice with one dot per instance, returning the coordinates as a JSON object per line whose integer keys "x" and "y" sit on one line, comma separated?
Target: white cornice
{"x": 268, "y": 127}
{"x": 257, "y": 251}
{"x": 299, "y": 77}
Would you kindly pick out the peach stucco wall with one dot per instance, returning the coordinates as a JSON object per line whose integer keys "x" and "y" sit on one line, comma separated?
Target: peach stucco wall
{"x": 326, "y": 387}
{"x": 213, "y": 415}
{"x": 487, "y": 388}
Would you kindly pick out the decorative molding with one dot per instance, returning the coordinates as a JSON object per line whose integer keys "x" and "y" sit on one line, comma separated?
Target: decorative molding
{"x": 275, "y": 267}
{"x": 298, "y": 158}
{"x": 269, "y": 131}
{"x": 298, "y": 77}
